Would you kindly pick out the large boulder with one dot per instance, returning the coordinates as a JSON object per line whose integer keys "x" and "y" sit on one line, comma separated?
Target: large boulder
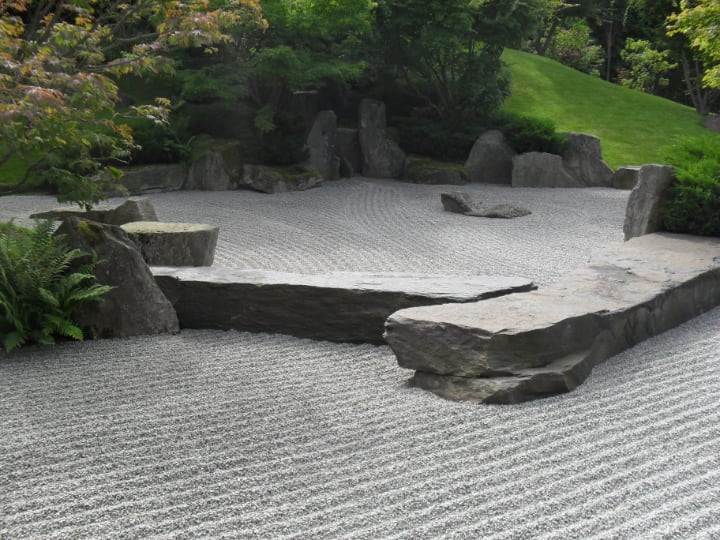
{"x": 141, "y": 179}
{"x": 174, "y": 244}
{"x": 136, "y": 305}
{"x": 500, "y": 211}
{"x": 625, "y": 177}
{"x": 348, "y": 147}
{"x": 207, "y": 173}
{"x": 322, "y": 145}
{"x": 491, "y": 159}
{"x": 458, "y": 202}
{"x": 133, "y": 209}
{"x": 583, "y": 160}
{"x": 643, "y": 214}
{"x": 279, "y": 179}
{"x": 381, "y": 156}
{"x": 540, "y": 169}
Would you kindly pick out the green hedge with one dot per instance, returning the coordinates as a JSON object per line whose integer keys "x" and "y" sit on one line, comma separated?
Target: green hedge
{"x": 693, "y": 200}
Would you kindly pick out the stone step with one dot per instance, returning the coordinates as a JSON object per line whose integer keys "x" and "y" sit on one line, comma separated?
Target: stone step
{"x": 543, "y": 342}
{"x": 338, "y": 306}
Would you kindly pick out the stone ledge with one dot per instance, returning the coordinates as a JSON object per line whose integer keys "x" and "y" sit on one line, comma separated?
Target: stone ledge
{"x": 177, "y": 244}
{"x": 544, "y": 342}
{"x": 338, "y": 306}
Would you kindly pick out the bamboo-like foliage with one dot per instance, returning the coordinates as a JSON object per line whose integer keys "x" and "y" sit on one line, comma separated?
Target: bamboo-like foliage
{"x": 42, "y": 283}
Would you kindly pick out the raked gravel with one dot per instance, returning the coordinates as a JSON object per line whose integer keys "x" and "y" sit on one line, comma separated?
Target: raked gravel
{"x": 211, "y": 434}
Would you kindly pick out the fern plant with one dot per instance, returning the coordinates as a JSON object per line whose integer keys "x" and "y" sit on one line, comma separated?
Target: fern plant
{"x": 42, "y": 283}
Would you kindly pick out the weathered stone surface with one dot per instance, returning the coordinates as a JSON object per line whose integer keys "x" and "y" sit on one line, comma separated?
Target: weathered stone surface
{"x": 501, "y": 211}
{"x": 279, "y": 179}
{"x": 644, "y": 208}
{"x": 540, "y": 169}
{"x": 348, "y": 146}
{"x": 322, "y": 145}
{"x": 339, "y": 306}
{"x": 491, "y": 159}
{"x": 533, "y": 344}
{"x": 207, "y": 173}
{"x": 712, "y": 122}
{"x": 424, "y": 171}
{"x": 458, "y": 202}
{"x": 136, "y": 305}
{"x": 625, "y": 177}
{"x": 583, "y": 160}
{"x": 174, "y": 244}
{"x": 141, "y": 179}
{"x": 133, "y": 209}
{"x": 381, "y": 156}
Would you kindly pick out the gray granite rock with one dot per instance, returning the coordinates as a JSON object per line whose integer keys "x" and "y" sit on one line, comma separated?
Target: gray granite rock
{"x": 133, "y": 209}
{"x": 174, "y": 244}
{"x": 491, "y": 159}
{"x": 381, "y": 156}
{"x": 322, "y": 145}
{"x": 339, "y": 306}
{"x": 136, "y": 305}
{"x": 141, "y": 179}
{"x": 583, "y": 160}
{"x": 540, "y": 169}
{"x": 501, "y": 211}
{"x": 424, "y": 171}
{"x": 625, "y": 177}
{"x": 207, "y": 173}
{"x": 268, "y": 179}
{"x": 458, "y": 202}
{"x": 530, "y": 345}
{"x": 643, "y": 214}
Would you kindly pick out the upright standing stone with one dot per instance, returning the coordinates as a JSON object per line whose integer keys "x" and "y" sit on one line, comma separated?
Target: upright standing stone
{"x": 583, "y": 160}
{"x": 643, "y": 214}
{"x": 625, "y": 177}
{"x": 136, "y": 305}
{"x": 322, "y": 145}
{"x": 382, "y": 157}
{"x": 491, "y": 159}
{"x": 348, "y": 144}
{"x": 207, "y": 173}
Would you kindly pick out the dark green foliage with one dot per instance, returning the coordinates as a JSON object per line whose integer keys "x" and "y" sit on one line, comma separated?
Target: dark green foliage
{"x": 41, "y": 286}
{"x": 160, "y": 143}
{"x": 526, "y": 134}
{"x": 693, "y": 200}
{"x": 285, "y": 144}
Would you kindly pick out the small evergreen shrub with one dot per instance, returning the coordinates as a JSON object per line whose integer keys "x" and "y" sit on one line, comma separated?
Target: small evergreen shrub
{"x": 693, "y": 200}
{"x": 41, "y": 286}
{"x": 527, "y": 134}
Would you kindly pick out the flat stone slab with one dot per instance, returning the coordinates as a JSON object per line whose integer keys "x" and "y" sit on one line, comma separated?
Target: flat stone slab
{"x": 175, "y": 244}
{"x": 338, "y": 306}
{"x": 544, "y": 342}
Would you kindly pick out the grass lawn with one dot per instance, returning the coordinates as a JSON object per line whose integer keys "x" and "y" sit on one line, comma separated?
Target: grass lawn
{"x": 633, "y": 127}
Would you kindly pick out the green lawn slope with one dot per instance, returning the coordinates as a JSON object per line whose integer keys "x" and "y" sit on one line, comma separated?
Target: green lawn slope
{"x": 634, "y": 127}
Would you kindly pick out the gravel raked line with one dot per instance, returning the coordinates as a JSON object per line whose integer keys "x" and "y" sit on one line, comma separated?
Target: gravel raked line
{"x": 211, "y": 434}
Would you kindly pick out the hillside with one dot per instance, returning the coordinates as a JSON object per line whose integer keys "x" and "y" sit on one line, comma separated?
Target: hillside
{"x": 634, "y": 127}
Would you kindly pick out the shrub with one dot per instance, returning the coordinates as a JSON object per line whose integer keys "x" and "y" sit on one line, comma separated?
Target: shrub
{"x": 41, "y": 286}
{"x": 527, "y": 134}
{"x": 693, "y": 200}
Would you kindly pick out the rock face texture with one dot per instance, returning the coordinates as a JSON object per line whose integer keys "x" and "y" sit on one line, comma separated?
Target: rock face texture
{"x": 540, "y": 169}
{"x": 322, "y": 145}
{"x": 154, "y": 178}
{"x": 174, "y": 244}
{"x": 500, "y": 211}
{"x": 279, "y": 179}
{"x": 136, "y": 305}
{"x": 458, "y": 202}
{"x": 529, "y": 345}
{"x": 207, "y": 173}
{"x": 583, "y": 159}
{"x": 423, "y": 171}
{"x": 491, "y": 159}
{"x": 381, "y": 156}
{"x": 339, "y": 306}
{"x": 625, "y": 177}
{"x": 133, "y": 209}
{"x": 644, "y": 208}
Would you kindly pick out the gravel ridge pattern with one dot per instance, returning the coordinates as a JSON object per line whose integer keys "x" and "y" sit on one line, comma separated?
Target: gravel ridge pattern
{"x": 210, "y": 434}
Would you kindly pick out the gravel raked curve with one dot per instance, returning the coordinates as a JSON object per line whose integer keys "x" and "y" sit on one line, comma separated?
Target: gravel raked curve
{"x": 231, "y": 435}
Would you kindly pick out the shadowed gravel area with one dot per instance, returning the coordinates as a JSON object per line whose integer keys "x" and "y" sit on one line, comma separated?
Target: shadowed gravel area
{"x": 231, "y": 435}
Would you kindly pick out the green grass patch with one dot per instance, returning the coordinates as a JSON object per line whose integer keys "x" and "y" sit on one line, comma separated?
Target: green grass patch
{"x": 635, "y": 128}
